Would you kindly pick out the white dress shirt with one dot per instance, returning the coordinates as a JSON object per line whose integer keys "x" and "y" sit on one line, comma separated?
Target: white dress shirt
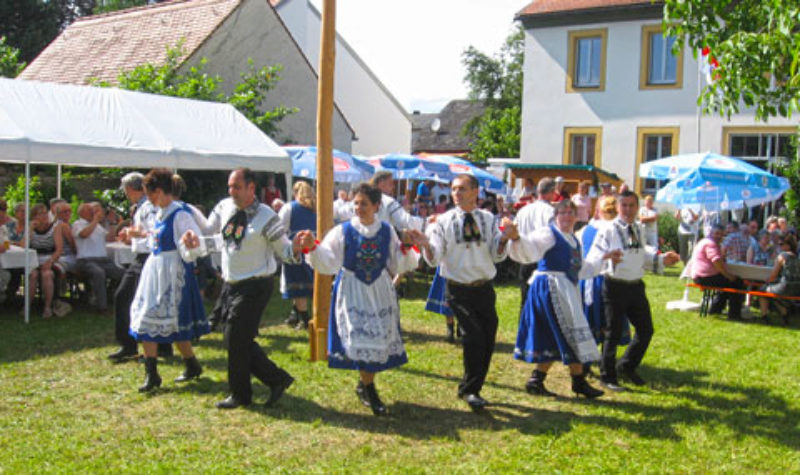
{"x": 264, "y": 238}
{"x": 390, "y": 211}
{"x": 144, "y": 217}
{"x": 534, "y": 216}
{"x": 460, "y": 261}
{"x": 615, "y": 236}
{"x": 94, "y": 245}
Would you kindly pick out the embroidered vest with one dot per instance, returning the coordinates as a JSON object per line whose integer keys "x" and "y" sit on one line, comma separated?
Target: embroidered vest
{"x": 562, "y": 257}
{"x": 164, "y": 232}
{"x": 366, "y": 257}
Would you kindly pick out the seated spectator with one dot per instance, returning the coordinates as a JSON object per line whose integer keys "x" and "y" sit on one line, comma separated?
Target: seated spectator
{"x": 46, "y": 239}
{"x": 736, "y": 243}
{"x": 785, "y": 277}
{"x": 709, "y": 269}
{"x": 16, "y": 227}
{"x": 4, "y": 217}
{"x": 762, "y": 253}
{"x": 93, "y": 261}
{"x": 68, "y": 258}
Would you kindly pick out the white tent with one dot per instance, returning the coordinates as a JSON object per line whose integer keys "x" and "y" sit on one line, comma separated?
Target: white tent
{"x": 89, "y": 126}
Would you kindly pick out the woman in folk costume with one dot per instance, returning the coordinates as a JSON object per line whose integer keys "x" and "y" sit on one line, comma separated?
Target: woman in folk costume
{"x": 552, "y": 325}
{"x": 364, "y": 331}
{"x": 437, "y": 303}
{"x": 167, "y": 306}
{"x": 297, "y": 280}
{"x": 592, "y": 289}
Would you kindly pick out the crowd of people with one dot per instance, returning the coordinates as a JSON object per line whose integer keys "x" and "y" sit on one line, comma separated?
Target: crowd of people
{"x": 580, "y": 271}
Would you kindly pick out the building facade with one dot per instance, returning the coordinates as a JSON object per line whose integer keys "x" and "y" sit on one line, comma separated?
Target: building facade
{"x": 602, "y": 87}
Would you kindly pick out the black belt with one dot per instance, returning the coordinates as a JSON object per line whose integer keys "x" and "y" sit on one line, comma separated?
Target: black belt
{"x": 140, "y": 258}
{"x": 623, "y": 281}
{"x": 473, "y": 284}
{"x": 249, "y": 280}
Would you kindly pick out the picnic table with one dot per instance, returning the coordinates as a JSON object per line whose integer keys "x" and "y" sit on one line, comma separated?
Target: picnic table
{"x": 14, "y": 258}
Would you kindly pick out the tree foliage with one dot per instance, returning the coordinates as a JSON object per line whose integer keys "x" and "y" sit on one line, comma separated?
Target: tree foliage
{"x": 755, "y": 45}
{"x": 755, "y": 48}
{"x": 10, "y": 63}
{"x": 497, "y": 81}
{"x": 30, "y": 25}
{"x": 114, "y": 5}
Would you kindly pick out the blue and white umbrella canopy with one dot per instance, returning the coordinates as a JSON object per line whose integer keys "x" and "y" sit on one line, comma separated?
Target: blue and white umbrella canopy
{"x": 456, "y": 166}
{"x": 715, "y": 182}
{"x": 346, "y": 169}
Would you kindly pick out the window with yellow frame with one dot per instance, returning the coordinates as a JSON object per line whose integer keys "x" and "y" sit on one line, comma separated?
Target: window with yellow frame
{"x": 586, "y": 61}
{"x": 654, "y": 143}
{"x": 582, "y": 146}
{"x": 660, "y": 67}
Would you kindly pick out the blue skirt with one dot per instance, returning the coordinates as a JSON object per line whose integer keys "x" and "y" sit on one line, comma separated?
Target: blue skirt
{"x": 192, "y": 321}
{"x": 595, "y": 313}
{"x": 337, "y": 358}
{"x": 298, "y": 280}
{"x": 437, "y": 302}
{"x": 539, "y": 338}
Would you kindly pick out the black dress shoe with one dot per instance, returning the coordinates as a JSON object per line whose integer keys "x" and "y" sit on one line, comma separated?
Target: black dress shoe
{"x": 277, "y": 391}
{"x": 476, "y": 403}
{"x": 630, "y": 375}
{"x": 123, "y": 354}
{"x": 231, "y": 402}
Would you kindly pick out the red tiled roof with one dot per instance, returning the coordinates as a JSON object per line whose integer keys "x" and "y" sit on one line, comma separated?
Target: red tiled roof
{"x": 100, "y": 46}
{"x": 543, "y": 7}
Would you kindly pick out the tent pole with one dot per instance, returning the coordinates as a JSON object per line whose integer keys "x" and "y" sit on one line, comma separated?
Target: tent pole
{"x": 58, "y": 181}
{"x": 318, "y": 329}
{"x": 27, "y": 239}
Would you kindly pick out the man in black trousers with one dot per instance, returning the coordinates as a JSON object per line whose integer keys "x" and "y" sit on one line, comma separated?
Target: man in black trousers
{"x": 466, "y": 243}
{"x": 251, "y": 236}
{"x": 142, "y": 215}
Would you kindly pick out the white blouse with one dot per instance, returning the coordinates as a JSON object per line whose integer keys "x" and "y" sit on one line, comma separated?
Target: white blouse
{"x": 328, "y": 257}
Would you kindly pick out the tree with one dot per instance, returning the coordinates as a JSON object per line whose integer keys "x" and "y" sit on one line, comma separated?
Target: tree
{"x": 754, "y": 46}
{"x": 30, "y": 25}
{"x": 497, "y": 81}
{"x": 248, "y": 97}
{"x": 10, "y": 64}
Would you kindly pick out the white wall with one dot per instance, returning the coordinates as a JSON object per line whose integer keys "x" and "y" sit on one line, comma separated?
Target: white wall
{"x": 381, "y": 124}
{"x": 619, "y": 110}
{"x": 255, "y": 31}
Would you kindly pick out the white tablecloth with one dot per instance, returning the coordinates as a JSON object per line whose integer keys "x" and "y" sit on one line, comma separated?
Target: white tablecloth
{"x": 750, "y": 272}
{"x": 14, "y": 258}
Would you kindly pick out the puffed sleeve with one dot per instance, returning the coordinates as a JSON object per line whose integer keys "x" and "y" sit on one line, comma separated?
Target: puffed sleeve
{"x": 401, "y": 260}
{"x": 436, "y": 242}
{"x": 530, "y": 247}
{"x": 286, "y": 215}
{"x": 328, "y": 257}
{"x": 185, "y": 222}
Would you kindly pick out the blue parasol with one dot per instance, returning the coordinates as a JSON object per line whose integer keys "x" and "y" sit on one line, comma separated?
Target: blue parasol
{"x": 346, "y": 169}
{"x": 457, "y": 166}
{"x": 716, "y": 182}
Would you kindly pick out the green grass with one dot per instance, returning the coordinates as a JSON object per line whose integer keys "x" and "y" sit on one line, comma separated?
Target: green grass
{"x": 722, "y": 397}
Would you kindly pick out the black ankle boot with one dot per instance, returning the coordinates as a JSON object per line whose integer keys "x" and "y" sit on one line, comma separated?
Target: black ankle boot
{"x": 378, "y": 408}
{"x": 361, "y": 392}
{"x": 293, "y": 317}
{"x": 302, "y": 320}
{"x": 151, "y": 378}
{"x": 193, "y": 370}
{"x": 535, "y": 385}
{"x": 451, "y": 333}
{"x": 580, "y": 386}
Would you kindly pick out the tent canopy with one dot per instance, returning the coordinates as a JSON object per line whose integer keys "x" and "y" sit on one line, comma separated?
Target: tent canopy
{"x": 93, "y": 127}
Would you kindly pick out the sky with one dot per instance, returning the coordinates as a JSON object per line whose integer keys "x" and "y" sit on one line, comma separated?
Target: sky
{"x": 415, "y": 46}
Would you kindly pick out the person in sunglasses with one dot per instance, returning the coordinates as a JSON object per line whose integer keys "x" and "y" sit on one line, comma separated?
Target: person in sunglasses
{"x": 624, "y": 291}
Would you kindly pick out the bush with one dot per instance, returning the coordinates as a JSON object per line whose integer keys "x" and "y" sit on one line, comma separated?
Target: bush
{"x": 15, "y": 192}
{"x": 668, "y": 231}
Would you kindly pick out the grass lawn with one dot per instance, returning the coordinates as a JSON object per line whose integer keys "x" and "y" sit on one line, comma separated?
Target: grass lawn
{"x": 722, "y": 397}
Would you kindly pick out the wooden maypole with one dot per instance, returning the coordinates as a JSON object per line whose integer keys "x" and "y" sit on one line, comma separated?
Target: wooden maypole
{"x": 318, "y": 329}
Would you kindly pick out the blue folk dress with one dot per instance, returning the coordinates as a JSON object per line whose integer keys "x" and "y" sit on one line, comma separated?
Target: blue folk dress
{"x": 592, "y": 292}
{"x": 552, "y": 325}
{"x": 364, "y": 325}
{"x": 297, "y": 280}
{"x": 168, "y": 306}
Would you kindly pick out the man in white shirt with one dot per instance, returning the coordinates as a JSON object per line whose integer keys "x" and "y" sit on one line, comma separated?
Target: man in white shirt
{"x": 251, "y": 236}
{"x": 92, "y": 257}
{"x": 466, "y": 243}
{"x": 624, "y": 292}
{"x": 390, "y": 210}
{"x": 531, "y": 217}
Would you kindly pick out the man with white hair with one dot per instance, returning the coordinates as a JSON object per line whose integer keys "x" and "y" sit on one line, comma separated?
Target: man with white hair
{"x": 92, "y": 258}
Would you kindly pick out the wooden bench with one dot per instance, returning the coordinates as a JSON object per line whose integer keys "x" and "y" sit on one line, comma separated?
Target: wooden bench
{"x": 708, "y": 291}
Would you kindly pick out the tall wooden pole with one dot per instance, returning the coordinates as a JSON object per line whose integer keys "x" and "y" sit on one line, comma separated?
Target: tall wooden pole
{"x": 318, "y": 329}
